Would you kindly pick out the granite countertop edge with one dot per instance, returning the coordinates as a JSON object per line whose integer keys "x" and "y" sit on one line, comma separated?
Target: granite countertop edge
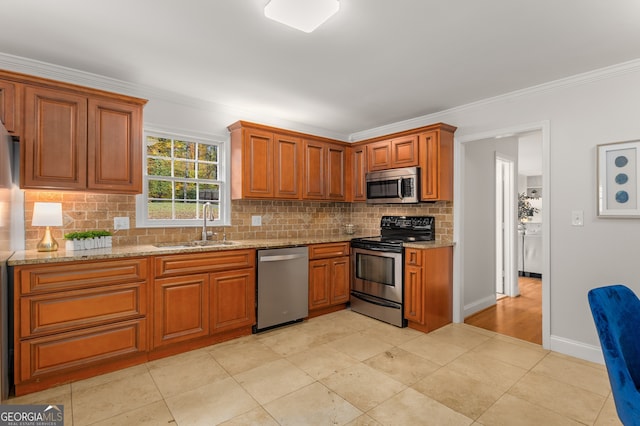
{"x": 34, "y": 257}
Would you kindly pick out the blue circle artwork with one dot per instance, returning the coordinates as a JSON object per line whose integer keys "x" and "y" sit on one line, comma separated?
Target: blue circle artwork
{"x": 621, "y": 178}
{"x": 622, "y": 197}
{"x": 621, "y": 161}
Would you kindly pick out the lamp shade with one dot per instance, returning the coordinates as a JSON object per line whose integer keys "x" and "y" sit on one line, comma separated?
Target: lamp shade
{"x": 47, "y": 214}
{"x": 303, "y": 15}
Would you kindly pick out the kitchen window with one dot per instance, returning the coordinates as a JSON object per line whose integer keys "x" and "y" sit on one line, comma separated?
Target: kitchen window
{"x": 181, "y": 174}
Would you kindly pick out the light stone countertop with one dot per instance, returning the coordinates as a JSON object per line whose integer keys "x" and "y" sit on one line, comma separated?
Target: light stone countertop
{"x": 34, "y": 257}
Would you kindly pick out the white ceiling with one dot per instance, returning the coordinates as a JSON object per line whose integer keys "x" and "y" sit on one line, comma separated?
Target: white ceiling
{"x": 374, "y": 63}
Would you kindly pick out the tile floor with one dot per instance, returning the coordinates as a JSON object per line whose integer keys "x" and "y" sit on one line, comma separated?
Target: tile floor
{"x": 347, "y": 369}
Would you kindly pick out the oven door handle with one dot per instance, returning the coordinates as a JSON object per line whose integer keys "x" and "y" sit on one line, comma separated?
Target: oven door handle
{"x": 383, "y": 249}
{"x": 375, "y": 301}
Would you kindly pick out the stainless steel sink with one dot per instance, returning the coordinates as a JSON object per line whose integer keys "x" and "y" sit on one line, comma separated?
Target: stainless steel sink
{"x": 197, "y": 243}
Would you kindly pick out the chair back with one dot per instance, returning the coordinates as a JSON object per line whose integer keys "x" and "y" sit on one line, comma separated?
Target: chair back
{"x": 616, "y": 313}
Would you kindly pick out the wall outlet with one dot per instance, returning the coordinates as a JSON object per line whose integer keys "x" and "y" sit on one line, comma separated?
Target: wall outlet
{"x": 577, "y": 218}
{"x": 256, "y": 220}
{"x": 120, "y": 223}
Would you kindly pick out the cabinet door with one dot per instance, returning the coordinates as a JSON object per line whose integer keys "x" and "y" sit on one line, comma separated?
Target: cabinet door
{"x": 233, "y": 300}
{"x": 340, "y": 280}
{"x": 438, "y": 264}
{"x": 379, "y": 155}
{"x": 404, "y": 151}
{"x": 336, "y": 170}
{"x": 10, "y": 105}
{"x": 359, "y": 160}
{"x": 319, "y": 278}
{"x": 288, "y": 167}
{"x": 181, "y": 309}
{"x": 314, "y": 170}
{"x": 54, "y": 148}
{"x": 114, "y": 146}
{"x": 257, "y": 164}
{"x": 436, "y": 163}
{"x": 414, "y": 294}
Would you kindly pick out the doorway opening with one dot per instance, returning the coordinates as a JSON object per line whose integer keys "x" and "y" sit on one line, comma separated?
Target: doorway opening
{"x": 487, "y": 215}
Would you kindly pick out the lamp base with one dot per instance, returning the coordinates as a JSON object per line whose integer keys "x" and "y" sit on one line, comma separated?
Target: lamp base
{"x": 47, "y": 243}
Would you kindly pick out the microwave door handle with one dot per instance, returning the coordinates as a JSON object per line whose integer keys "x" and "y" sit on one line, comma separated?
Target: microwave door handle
{"x": 400, "y": 194}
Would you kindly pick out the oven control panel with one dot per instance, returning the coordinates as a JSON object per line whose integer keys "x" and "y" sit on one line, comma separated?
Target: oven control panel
{"x": 409, "y": 223}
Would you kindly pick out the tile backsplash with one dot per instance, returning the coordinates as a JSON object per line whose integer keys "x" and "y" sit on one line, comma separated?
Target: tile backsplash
{"x": 280, "y": 219}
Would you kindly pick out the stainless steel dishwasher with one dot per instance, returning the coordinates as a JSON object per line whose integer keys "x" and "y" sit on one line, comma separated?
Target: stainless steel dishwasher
{"x": 283, "y": 286}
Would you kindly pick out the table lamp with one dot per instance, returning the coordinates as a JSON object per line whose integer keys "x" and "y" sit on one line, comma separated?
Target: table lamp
{"x": 47, "y": 214}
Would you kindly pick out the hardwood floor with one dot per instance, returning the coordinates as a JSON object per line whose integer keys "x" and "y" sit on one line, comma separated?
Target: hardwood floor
{"x": 519, "y": 317}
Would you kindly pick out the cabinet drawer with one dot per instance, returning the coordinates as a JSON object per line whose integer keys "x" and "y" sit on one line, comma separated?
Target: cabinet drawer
{"x": 192, "y": 263}
{"x": 64, "y": 311}
{"x": 68, "y": 351}
{"x": 323, "y": 251}
{"x": 75, "y": 275}
{"x": 413, "y": 257}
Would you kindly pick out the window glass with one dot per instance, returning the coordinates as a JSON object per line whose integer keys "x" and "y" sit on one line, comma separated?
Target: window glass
{"x": 181, "y": 175}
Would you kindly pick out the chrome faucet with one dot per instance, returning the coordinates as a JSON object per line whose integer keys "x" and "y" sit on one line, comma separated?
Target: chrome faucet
{"x": 205, "y": 214}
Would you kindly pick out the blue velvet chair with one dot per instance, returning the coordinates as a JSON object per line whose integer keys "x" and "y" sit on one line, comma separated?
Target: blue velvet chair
{"x": 616, "y": 312}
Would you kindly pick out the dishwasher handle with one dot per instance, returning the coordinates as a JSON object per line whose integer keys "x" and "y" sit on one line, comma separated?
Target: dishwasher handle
{"x": 281, "y": 257}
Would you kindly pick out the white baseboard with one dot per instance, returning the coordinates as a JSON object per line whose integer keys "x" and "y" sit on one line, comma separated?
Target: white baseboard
{"x": 577, "y": 349}
{"x": 479, "y": 305}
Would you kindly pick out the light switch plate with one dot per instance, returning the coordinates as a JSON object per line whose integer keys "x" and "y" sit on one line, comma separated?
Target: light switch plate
{"x": 120, "y": 223}
{"x": 256, "y": 220}
{"x": 577, "y": 218}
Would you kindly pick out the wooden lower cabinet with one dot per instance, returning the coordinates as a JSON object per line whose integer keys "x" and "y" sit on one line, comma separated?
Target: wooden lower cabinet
{"x": 201, "y": 297}
{"x": 233, "y": 300}
{"x": 181, "y": 309}
{"x": 329, "y": 277}
{"x": 74, "y": 320}
{"x": 77, "y": 319}
{"x": 428, "y": 287}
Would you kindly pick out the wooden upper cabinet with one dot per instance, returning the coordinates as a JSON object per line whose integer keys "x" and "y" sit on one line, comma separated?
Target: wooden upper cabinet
{"x": 264, "y": 164}
{"x": 436, "y": 165}
{"x": 272, "y": 163}
{"x": 54, "y": 146}
{"x": 325, "y": 168}
{"x": 10, "y": 96}
{"x": 314, "y": 170}
{"x": 73, "y": 137}
{"x": 393, "y": 153}
{"x": 336, "y": 172}
{"x": 257, "y": 180}
{"x": 287, "y": 166}
{"x": 114, "y": 146}
{"x": 358, "y": 173}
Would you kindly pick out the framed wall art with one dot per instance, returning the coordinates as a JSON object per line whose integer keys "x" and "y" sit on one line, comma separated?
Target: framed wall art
{"x": 618, "y": 185}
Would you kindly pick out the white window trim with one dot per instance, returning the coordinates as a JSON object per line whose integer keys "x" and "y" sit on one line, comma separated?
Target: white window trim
{"x": 224, "y": 175}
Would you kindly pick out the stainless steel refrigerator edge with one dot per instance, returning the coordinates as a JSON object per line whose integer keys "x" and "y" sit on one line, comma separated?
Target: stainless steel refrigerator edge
{"x": 11, "y": 239}
{"x": 283, "y": 286}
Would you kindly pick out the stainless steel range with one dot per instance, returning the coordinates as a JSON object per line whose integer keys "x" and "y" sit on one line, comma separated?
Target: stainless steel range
{"x": 378, "y": 267}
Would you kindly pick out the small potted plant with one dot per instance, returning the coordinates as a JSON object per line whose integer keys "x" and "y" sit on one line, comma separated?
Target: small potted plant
{"x": 87, "y": 240}
{"x": 525, "y": 209}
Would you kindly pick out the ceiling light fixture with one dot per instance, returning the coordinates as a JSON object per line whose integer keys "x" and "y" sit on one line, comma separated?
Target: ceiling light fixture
{"x": 303, "y": 15}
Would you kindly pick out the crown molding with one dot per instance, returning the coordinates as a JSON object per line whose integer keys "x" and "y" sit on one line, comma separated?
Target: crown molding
{"x": 575, "y": 80}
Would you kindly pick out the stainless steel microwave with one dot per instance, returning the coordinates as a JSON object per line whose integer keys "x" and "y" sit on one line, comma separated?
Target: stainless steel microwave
{"x": 393, "y": 186}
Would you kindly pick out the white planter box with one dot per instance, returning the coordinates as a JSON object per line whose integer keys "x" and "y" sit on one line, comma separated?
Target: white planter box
{"x": 88, "y": 243}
